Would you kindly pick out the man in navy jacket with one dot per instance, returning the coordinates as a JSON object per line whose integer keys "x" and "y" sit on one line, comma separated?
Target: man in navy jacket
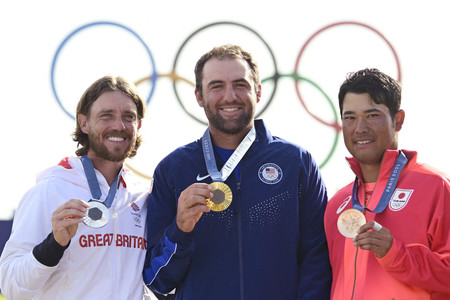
{"x": 237, "y": 214}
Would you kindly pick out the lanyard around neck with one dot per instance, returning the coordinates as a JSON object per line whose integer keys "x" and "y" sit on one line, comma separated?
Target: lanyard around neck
{"x": 93, "y": 182}
{"x": 388, "y": 190}
{"x": 232, "y": 162}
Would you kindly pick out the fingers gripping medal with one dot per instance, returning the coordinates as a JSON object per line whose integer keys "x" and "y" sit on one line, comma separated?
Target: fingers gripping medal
{"x": 97, "y": 215}
{"x": 349, "y": 222}
{"x": 222, "y": 197}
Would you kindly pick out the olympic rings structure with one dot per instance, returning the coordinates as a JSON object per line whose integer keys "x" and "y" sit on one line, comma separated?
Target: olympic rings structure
{"x": 86, "y": 26}
{"x": 152, "y": 78}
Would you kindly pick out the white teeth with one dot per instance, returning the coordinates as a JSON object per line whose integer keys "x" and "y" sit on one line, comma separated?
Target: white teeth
{"x": 230, "y": 109}
{"x": 115, "y": 139}
{"x": 363, "y": 142}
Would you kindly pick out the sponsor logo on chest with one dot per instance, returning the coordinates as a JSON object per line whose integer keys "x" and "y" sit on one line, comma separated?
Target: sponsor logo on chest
{"x": 344, "y": 204}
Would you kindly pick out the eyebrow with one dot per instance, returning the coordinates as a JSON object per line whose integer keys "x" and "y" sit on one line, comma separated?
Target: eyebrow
{"x": 212, "y": 82}
{"x": 350, "y": 112}
{"x": 108, "y": 110}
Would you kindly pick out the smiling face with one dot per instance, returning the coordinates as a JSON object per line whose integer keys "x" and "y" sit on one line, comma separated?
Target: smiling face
{"x": 369, "y": 129}
{"x": 229, "y": 95}
{"x": 112, "y": 127}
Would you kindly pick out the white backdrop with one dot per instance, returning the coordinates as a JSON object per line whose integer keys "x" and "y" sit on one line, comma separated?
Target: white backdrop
{"x": 142, "y": 38}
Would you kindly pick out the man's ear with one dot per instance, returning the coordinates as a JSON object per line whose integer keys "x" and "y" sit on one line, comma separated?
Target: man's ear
{"x": 82, "y": 121}
{"x": 199, "y": 98}
{"x": 258, "y": 94}
{"x": 399, "y": 119}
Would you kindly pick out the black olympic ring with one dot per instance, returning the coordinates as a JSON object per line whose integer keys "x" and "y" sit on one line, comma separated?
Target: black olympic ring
{"x": 55, "y": 58}
{"x": 175, "y": 78}
{"x": 275, "y": 77}
{"x": 297, "y": 63}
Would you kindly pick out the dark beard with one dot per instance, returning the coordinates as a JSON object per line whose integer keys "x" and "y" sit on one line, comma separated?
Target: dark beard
{"x": 220, "y": 124}
{"x": 102, "y": 152}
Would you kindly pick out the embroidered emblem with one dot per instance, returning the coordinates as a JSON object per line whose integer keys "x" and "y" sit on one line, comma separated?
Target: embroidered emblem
{"x": 134, "y": 206}
{"x": 135, "y": 214}
{"x": 399, "y": 199}
{"x": 343, "y": 205}
{"x": 270, "y": 173}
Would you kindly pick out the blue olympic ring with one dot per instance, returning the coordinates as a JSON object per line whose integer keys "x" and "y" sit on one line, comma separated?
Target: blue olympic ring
{"x": 55, "y": 58}
{"x": 152, "y": 78}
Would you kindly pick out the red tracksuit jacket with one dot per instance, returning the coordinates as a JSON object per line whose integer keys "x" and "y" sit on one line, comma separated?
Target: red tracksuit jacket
{"x": 418, "y": 217}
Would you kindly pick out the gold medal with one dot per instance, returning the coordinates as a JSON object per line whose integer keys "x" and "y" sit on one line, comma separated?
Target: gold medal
{"x": 222, "y": 197}
{"x": 349, "y": 222}
{"x": 97, "y": 214}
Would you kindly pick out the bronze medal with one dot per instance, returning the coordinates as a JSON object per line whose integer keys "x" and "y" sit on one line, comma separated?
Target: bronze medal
{"x": 97, "y": 214}
{"x": 349, "y": 222}
{"x": 222, "y": 197}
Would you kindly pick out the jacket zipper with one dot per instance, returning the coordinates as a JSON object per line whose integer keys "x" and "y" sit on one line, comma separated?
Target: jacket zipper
{"x": 241, "y": 255}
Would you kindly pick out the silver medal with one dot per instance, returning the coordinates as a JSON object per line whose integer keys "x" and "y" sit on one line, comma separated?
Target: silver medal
{"x": 97, "y": 214}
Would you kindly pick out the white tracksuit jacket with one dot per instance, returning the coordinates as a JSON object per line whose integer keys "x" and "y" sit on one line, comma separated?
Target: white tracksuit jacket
{"x": 102, "y": 263}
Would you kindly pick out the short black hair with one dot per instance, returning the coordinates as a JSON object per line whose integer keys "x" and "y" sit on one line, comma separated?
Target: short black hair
{"x": 381, "y": 88}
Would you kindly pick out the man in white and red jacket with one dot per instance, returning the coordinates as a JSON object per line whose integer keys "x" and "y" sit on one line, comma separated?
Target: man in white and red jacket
{"x": 51, "y": 253}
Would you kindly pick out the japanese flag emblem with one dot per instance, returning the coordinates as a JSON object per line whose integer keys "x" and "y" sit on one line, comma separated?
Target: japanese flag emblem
{"x": 399, "y": 199}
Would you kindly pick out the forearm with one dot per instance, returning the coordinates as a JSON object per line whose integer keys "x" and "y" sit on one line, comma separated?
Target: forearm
{"x": 419, "y": 266}
{"x": 169, "y": 260}
{"x": 21, "y": 274}
{"x": 49, "y": 252}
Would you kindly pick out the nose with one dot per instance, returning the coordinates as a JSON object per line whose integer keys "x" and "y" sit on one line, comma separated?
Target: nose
{"x": 119, "y": 123}
{"x": 361, "y": 125}
{"x": 230, "y": 93}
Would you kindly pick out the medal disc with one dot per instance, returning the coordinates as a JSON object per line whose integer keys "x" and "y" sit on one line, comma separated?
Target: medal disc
{"x": 222, "y": 197}
{"x": 97, "y": 215}
{"x": 349, "y": 222}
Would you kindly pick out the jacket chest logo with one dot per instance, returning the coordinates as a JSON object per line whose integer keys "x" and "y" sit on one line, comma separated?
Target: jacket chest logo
{"x": 136, "y": 214}
{"x": 344, "y": 204}
{"x": 270, "y": 173}
{"x": 399, "y": 199}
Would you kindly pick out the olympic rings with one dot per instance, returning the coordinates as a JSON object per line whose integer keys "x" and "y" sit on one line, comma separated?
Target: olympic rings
{"x": 55, "y": 58}
{"x": 337, "y": 130}
{"x": 297, "y": 63}
{"x": 275, "y": 77}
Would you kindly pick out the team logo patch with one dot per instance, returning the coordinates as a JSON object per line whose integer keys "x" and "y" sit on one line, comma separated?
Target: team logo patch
{"x": 136, "y": 214}
{"x": 399, "y": 199}
{"x": 270, "y": 173}
{"x": 134, "y": 206}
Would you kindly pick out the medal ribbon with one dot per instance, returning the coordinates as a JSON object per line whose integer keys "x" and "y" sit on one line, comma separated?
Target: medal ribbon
{"x": 232, "y": 162}
{"x": 388, "y": 190}
{"x": 93, "y": 182}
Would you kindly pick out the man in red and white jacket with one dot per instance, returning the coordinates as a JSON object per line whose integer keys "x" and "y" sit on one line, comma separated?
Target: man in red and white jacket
{"x": 408, "y": 256}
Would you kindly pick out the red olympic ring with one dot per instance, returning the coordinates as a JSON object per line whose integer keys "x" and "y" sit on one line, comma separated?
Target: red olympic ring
{"x": 153, "y": 77}
{"x": 336, "y": 126}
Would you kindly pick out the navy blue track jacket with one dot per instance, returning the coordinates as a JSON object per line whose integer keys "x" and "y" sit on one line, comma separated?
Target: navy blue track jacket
{"x": 270, "y": 242}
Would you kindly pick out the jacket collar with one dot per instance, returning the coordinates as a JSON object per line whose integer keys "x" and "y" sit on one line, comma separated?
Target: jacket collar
{"x": 388, "y": 162}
